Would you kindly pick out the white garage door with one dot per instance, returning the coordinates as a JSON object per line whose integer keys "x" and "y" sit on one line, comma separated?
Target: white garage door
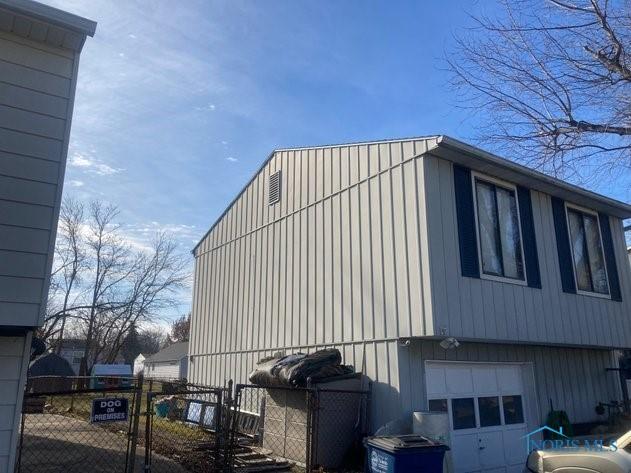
{"x": 486, "y": 406}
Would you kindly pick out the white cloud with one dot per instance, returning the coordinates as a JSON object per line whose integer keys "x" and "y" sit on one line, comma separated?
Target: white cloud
{"x": 231, "y": 159}
{"x": 210, "y": 107}
{"x": 76, "y": 183}
{"x": 132, "y": 36}
{"x": 92, "y": 164}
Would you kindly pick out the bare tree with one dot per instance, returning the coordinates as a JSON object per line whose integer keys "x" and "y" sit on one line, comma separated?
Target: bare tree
{"x": 102, "y": 289}
{"x": 552, "y": 82}
{"x": 153, "y": 283}
{"x": 180, "y": 328}
{"x": 109, "y": 265}
{"x": 71, "y": 259}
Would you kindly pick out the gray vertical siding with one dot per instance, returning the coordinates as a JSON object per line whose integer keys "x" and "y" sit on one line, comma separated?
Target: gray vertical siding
{"x": 338, "y": 260}
{"x": 489, "y": 310}
{"x": 36, "y": 90}
{"x": 377, "y": 360}
{"x": 574, "y": 379}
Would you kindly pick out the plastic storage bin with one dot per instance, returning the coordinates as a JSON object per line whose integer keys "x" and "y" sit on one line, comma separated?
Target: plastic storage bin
{"x": 404, "y": 453}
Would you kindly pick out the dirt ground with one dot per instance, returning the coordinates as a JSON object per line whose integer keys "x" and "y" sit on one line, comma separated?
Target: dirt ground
{"x": 55, "y": 443}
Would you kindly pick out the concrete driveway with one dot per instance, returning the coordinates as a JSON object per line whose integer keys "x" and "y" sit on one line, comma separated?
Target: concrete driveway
{"x": 54, "y": 443}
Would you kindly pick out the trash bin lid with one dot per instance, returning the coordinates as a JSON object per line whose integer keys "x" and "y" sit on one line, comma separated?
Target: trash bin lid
{"x": 395, "y": 443}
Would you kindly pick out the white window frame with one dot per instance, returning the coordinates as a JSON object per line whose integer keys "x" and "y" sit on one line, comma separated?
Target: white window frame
{"x": 593, "y": 213}
{"x": 513, "y": 187}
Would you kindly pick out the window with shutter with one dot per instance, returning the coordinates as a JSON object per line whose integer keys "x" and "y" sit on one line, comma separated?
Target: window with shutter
{"x": 499, "y": 229}
{"x": 587, "y": 249}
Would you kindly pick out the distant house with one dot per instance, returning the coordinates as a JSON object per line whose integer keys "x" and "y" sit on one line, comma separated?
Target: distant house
{"x": 72, "y": 351}
{"x": 169, "y": 363}
{"x": 139, "y": 364}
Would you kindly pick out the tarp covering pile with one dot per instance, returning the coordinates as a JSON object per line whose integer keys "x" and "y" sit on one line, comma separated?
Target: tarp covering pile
{"x": 296, "y": 369}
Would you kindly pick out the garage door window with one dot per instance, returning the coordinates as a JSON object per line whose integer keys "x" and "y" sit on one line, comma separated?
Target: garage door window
{"x": 463, "y": 413}
{"x": 438, "y": 405}
{"x": 489, "y": 409}
{"x": 513, "y": 410}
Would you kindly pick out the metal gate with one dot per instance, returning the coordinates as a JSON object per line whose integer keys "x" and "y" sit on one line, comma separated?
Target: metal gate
{"x": 79, "y": 429}
{"x": 185, "y": 428}
{"x": 151, "y": 426}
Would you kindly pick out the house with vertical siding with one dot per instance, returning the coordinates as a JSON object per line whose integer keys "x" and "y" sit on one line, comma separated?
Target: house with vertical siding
{"x": 39, "y": 60}
{"x": 386, "y": 249}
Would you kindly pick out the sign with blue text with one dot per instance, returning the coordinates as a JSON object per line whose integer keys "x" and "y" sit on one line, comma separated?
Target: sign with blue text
{"x": 109, "y": 409}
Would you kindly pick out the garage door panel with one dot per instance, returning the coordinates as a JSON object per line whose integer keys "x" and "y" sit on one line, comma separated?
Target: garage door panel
{"x": 459, "y": 380}
{"x": 491, "y": 450}
{"x": 484, "y": 379}
{"x": 466, "y": 456}
{"x": 436, "y": 383}
{"x": 509, "y": 380}
{"x": 514, "y": 445}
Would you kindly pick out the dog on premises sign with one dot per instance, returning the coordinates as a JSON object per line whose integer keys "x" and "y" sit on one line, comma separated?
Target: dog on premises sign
{"x": 110, "y": 409}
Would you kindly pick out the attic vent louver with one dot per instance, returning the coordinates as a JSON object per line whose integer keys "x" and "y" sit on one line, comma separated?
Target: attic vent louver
{"x": 274, "y": 188}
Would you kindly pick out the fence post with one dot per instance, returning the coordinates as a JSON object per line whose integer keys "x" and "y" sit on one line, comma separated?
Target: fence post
{"x": 135, "y": 421}
{"x": 148, "y": 433}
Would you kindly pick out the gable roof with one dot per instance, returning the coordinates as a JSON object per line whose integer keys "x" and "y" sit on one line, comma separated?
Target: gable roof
{"x": 471, "y": 156}
{"x": 174, "y": 352}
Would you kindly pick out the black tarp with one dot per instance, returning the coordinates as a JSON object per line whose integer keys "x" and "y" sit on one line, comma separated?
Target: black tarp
{"x": 296, "y": 369}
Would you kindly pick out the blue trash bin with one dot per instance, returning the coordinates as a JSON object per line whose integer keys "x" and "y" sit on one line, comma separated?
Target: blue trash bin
{"x": 404, "y": 453}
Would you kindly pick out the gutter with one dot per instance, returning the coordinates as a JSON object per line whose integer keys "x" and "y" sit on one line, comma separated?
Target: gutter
{"x": 548, "y": 184}
{"x": 51, "y": 15}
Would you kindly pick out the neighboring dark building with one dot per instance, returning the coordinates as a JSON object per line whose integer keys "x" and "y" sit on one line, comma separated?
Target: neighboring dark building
{"x": 50, "y": 372}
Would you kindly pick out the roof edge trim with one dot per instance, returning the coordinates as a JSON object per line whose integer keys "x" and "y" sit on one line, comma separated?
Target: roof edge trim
{"x": 444, "y": 141}
{"x": 52, "y": 15}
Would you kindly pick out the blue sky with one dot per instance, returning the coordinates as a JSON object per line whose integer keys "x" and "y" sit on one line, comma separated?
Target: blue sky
{"x": 178, "y": 103}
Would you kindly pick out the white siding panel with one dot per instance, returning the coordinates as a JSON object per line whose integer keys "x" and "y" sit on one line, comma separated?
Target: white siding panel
{"x": 25, "y": 215}
{"x": 22, "y": 264}
{"x": 26, "y": 99}
{"x": 34, "y": 80}
{"x": 29, "y": 122}
{"x": 31, "y": 145}
{"x": 16, "y": 289}
{"x": 27, "y": 191}
{"x": 35, "y": 58}
{"x": 29, "y": 168}
{"x": 23, "y": 239}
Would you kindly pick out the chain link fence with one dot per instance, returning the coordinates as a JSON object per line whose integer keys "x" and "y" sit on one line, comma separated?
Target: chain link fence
{"x": 185, "y": 423}
{"x": 61, "y": 432}
{"x": 309, "y": 428}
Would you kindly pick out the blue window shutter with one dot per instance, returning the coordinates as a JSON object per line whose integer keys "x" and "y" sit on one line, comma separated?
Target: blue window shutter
{"x": 528, "y": 233}
{"x": 610, "y": 257}
{"x": 467, "y": 238}
{"x": 563, "y": 246}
